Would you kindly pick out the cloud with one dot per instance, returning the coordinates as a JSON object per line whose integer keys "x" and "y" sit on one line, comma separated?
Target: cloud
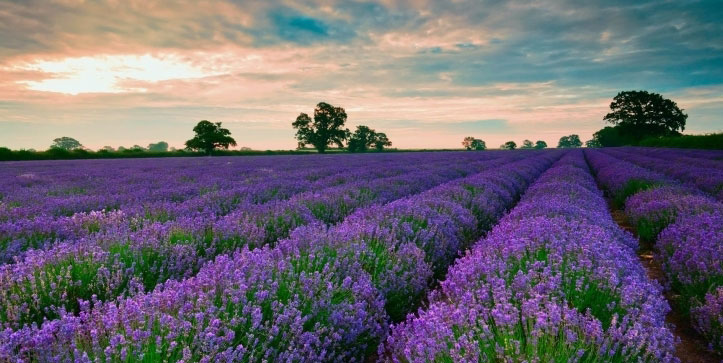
{"x": 108, "y": 74}
{"x": 428, "y": 72}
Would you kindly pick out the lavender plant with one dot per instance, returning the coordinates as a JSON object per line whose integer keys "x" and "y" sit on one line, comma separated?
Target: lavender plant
{"x": 547, "y": 287}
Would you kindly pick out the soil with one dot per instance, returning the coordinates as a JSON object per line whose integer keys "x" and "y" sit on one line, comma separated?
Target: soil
{"x": 691, "y": 348}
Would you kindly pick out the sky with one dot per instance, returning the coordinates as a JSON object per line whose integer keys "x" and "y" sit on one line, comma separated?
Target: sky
{"x": 427, "y": 73}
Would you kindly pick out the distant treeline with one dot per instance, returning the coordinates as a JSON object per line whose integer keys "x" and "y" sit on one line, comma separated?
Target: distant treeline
{"x": 710, "y": 141}
{"x": 61, "y": 154}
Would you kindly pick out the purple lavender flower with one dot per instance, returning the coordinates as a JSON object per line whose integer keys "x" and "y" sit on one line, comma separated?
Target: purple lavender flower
{"x": 650, "y": 211}
{"x": 547, "y": 285}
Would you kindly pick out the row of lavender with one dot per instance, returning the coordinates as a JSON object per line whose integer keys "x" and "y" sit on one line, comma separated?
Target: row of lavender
{"x": 60, "y": 188}
{"x": 50, "y": 283}
{"x": 324, "y": 294}
{"x": 686, "y": 227}
{"x": 555, "y": 280}
{"x": 696, "y": 155}
{"x": 152, "y": 193}
{"x": 702, "y": 173}
{"x": 188, "y": 192}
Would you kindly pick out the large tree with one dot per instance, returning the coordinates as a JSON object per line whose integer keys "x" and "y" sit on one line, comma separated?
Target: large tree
{"x": 472, "y": 143}
{"x": 569, "y": 141}
{"x": 209, "y": 136}
{"x": 527, "y": 144}
{"x": 326, "y": 129}
{"x": 539, "y": 144}
{"x": 66, "y": 143}
{"x": 642, "y": 114}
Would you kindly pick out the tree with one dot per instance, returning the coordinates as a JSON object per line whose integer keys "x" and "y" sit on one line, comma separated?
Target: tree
{"x": 610, "y": 136}
{"x": 527, "y": 144}
{"x": 509, "y": 145}
{"x": 326, "y": 129}
{"x": 471, "y": 143}
{"x": 362, "y": 138}
{"x": 467, "y": 142}
{"x": 66, "y": 143}
{"x": 641, "y": 114}
{"x": 137, "y": 148}
{"x": 592, "y": 143}
{"x": 478, "y": 144}
{"x": 540, "y": 144}
{"x": 209, "y": 136}
{"x": 571, "y": 141}
{"x": 5, "y": 154}
{"x": 381, "y": 141}
{"x": 106, "y": 148}
{"x": 160, "y": 146}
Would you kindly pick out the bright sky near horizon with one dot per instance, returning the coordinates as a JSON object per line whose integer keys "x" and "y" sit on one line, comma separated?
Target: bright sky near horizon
{"x": 428, "y": 73}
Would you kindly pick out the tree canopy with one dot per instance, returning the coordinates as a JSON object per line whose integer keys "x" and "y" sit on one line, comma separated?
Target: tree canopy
{"x": 364, "y": 138}
{"x": 509, "y": 145}
{"x": 592, "y": 143}
{"x": 326, "y": 129}
{"x": 641, "y": 114}
{"x": 381, "y": 141}
{"x": 527, "y": 144}
{"x": 612, "y": 136}
{"x": 209, "y": 136}
{"x": 570, "y": 141}
{"x": 467, "y": 142}
{"x": 160, "y": 146}
{"x": 472, "y": 143}
{"x": 539, "y": 144}
{"x": 66, "y": 143}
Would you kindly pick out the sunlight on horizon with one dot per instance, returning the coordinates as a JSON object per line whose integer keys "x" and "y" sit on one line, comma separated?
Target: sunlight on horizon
{"x": 108, "y": 74}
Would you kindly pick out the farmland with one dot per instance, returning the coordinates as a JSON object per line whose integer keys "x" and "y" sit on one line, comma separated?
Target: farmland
{"x": 398, "y": 257}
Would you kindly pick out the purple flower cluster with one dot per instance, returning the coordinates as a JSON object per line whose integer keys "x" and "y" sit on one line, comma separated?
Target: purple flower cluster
{"x": 42, "y": 204}
{"x": 252, "y": 306}
{"x": 622, "y": 179}
{"x": 403, "y": 245}
{"x": 546, "y": 284}
{"x": 104, "y": 266}
{"x": 650, "y": 211}
{"x": 708, "y": 319}
{"x": 691, "y": 252}
{"x": 319, "y": 296}
{"x": 687, "y": 228}
{"x": 705, "y": 174}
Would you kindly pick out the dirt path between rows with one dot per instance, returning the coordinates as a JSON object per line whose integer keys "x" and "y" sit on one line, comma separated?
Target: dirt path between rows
{"x": 691, "y": 348}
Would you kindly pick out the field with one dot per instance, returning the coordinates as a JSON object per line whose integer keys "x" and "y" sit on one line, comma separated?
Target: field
{"x": 398, "y": 257}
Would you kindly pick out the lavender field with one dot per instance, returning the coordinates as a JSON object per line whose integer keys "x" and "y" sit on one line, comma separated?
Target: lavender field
{"x": 505, "y": 256}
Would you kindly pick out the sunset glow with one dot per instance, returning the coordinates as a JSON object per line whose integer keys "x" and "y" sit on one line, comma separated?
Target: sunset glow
{"x": 107, "y": 74}
{"x": 427, "y": 73}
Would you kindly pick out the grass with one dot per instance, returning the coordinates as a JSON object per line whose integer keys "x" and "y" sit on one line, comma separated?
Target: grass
{"x": 631, "y": 188}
